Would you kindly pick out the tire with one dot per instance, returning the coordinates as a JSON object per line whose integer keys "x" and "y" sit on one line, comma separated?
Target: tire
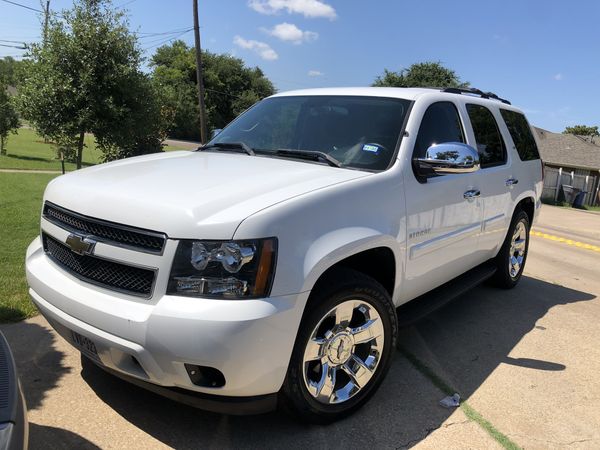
{"x": 329, "y": 342}
{"x": 511, "y": 259}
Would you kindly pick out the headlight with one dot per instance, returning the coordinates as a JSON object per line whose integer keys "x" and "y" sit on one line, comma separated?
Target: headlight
{"x": 223, "y": 269}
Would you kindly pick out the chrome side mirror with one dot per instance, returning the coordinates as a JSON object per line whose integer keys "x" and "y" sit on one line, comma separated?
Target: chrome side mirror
{"x": 450, "y": 157}
{"x": 214, "y": 132}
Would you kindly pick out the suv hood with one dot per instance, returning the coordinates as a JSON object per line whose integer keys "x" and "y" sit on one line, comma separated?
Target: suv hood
{"x": 189, "y": 194}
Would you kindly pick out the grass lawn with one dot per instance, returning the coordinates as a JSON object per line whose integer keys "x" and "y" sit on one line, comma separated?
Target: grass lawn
{"x": 568, "y": 205}
{"x": 20, "y": 207}
{"x": 26, "y": 150}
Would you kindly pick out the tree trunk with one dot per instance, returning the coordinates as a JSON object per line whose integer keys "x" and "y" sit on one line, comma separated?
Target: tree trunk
{"x": 80, "y": 149}
{"x": 2, "y": 149}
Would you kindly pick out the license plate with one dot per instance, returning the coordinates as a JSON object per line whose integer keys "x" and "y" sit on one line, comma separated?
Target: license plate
{"x": 86, "y": 345}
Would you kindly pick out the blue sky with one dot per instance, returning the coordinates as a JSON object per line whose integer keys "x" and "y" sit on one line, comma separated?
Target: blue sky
{"x": 541, "y": 55}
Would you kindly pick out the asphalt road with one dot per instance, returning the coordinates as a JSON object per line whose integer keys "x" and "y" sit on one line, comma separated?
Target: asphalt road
{"x": 527, "y": 360}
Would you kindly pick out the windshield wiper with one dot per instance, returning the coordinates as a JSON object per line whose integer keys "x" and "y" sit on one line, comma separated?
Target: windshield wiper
{"x": 229, "y": 145}
{"x": 309, "y": 154}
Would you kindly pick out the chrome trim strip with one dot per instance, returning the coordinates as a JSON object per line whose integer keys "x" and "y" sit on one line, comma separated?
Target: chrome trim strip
{"x": 105, "y": 223}
{"x": 106, "y": 250}
{"x": 487, "y": 222}
{"x": 444, "y": 240}
{"x": 104, "y": 286}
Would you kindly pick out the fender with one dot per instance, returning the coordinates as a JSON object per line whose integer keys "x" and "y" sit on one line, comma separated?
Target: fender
{"x": 340, "y": 244}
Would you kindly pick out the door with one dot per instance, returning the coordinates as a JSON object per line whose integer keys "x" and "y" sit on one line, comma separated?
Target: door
{"x": 496, "y": 180}
{"x": 443, "y": 211}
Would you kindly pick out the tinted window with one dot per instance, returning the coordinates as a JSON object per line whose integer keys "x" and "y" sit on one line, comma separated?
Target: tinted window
{"x": 521, "y": 134}
{"x": 360, "y": 132}
{"x": 490, "y": 145}
{"x": 440, "y": 124}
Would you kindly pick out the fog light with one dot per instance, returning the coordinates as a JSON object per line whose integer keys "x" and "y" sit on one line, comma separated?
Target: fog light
{"x": 205, "y": 376}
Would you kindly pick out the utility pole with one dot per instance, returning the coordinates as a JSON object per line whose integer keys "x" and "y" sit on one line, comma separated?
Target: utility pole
{"x": 203, "y": 130}
{"x": 47, "y": 15}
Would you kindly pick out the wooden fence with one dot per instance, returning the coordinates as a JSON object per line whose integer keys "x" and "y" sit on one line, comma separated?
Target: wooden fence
{"x": 554, "y": 178}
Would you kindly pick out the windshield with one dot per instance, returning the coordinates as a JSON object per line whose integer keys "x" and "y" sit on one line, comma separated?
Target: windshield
{"x": 359, "y": 132}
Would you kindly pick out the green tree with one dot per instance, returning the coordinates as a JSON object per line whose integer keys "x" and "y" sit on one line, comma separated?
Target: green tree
{"x": 9, "y": 119}
{"x": 425, "y": 74}
{"x": 86, "y": 78}
{"x": 230, "y": 87}
{"x": 583, "y": 130}
{"x": 12, "y": 71}
{"x": 7, "y": 70}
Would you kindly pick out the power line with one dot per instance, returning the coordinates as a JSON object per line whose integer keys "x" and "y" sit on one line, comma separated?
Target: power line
{"x": 221, "y": 92}
{"x": 124, "y": 4}
{"x": 12, "y": 42}
{"x": 23, "y": 6}
{"x": 144, "y": 35}
{"x": 164, "y": 41}
{"x": 155, "y": 39}
{"x": 13, "y": 46}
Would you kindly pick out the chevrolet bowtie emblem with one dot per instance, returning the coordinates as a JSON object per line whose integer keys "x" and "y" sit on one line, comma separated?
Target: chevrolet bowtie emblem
{"x": 80, "y": 244}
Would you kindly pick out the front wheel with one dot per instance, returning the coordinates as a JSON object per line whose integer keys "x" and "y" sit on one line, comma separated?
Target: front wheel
{"x": 511, "y": 258}
{"x": 343, "y": 349}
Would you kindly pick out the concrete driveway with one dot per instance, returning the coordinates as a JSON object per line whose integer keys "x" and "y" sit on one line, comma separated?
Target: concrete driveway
{"x": 526, "y": 361}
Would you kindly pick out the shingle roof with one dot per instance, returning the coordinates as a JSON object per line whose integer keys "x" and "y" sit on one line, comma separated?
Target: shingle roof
{"x": 567, "y": 150}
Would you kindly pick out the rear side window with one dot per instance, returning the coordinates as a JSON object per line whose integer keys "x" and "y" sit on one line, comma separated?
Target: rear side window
{"x": 490, "y": 145}
{"x": 440, "y": 124}
{"x": 521, "y": 134}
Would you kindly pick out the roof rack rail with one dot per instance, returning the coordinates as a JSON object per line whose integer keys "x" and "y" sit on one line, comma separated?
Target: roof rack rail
{"x": 474, "y": 91}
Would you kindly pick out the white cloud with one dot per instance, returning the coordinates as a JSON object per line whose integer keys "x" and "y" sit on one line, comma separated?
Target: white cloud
{"x": 308, "y": 8}
{"x": 261, "y": 48}
{"x": 291, "y": 33}
{"x": 315, "y": 73}
{"x": 558, "y": 77}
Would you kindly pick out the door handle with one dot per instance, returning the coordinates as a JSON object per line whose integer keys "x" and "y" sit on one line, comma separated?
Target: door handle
{"x": 471, "y": 194}
{"x": 511, "y": 181}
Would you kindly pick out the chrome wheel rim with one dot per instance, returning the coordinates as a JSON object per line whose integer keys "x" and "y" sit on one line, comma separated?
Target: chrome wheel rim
{"x": 343, "y": 352}
{"x": 517, "y": 250}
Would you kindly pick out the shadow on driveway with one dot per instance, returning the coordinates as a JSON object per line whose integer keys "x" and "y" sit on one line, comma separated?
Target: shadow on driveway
{"x": 40, "y": 368}
{"x": 39, "y": 363}
{"x": 464, "y": 342}
{"x": 45, "y": 437}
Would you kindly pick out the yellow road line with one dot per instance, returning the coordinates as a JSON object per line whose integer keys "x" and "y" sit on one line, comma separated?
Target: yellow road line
{"x": 591, "y": 247}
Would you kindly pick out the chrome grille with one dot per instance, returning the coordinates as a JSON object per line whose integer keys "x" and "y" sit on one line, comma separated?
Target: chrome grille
{"x": 102, "y": 230}
{"x": 109, "y": 274}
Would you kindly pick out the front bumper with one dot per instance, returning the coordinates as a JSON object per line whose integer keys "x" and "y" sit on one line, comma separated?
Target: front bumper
{"x": 249, "y": 341}
{"x": 257, "y": 404}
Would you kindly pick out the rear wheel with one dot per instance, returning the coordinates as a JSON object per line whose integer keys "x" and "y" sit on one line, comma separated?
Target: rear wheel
{"x": 343, "y": 349}
{"x": 511, "y": 258}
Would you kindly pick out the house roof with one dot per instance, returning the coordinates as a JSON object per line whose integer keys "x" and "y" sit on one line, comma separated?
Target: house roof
{"x": 567, "y": 150}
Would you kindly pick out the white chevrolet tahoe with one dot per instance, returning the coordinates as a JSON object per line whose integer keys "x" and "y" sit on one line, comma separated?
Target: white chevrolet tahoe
{"x": 274, "y": 265}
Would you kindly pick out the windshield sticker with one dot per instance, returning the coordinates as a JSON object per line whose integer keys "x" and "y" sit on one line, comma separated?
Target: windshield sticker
{"x": 370, "y": 148}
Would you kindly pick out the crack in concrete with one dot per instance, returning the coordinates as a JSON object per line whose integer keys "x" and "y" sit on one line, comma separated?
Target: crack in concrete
{"x": 547, "y": 441}
{"x": 407, "y": 445}
{"x": 428, "y": 431}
